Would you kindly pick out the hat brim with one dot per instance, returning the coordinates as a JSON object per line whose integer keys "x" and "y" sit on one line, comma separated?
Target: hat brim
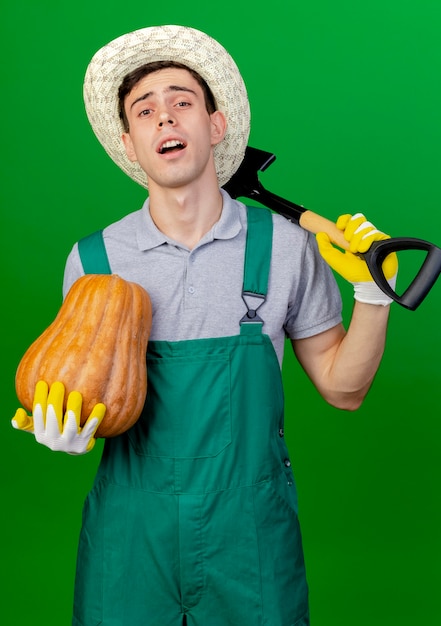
{"x": 182, "y": 44}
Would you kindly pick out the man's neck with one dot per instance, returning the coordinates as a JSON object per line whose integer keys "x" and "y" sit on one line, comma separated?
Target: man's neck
{"x": 185, "y": 214}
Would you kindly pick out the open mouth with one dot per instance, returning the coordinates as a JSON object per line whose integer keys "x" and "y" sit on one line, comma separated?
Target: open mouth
{"x": 170, "y": 146}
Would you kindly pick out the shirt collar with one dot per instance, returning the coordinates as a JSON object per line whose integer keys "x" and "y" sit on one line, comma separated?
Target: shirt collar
{"x": 227, "y": 227}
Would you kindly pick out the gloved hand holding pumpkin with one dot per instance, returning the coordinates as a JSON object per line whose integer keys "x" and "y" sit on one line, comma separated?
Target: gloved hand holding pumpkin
{"x": 53, "y": 429}
{"x": 99, "y": 357}
{"x": 360, "y": 234}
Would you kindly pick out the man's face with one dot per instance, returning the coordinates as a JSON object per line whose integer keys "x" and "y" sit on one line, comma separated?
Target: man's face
{"x": 171, "y": 134}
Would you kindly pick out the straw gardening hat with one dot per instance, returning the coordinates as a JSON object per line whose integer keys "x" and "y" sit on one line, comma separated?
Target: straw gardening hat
{"x": 185, "y": 45}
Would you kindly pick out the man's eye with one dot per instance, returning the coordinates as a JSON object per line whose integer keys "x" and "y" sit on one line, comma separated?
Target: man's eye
{"x": 145, "y": 112}
{"x": 183, "y": 104}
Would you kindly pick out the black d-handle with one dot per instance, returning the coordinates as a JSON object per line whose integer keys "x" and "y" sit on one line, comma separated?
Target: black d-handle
{"x": 424, "y": 279}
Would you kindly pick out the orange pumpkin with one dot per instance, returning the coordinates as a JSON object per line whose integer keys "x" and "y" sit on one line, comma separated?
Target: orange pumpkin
{"x": 97, "y": 346}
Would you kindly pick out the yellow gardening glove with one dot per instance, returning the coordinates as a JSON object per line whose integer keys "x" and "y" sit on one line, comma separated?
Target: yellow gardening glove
{"x": 360, "y": 234}
{"x": 51, "y": 428}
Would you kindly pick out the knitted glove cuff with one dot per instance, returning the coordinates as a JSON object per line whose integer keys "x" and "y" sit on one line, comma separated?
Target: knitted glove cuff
{"x": 370, "y": 292}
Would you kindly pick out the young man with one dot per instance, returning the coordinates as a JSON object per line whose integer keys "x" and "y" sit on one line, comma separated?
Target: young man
{"x": 193, "y": 515}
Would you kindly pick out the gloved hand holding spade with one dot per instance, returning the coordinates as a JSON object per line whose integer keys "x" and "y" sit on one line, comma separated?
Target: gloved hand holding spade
{"x": 359, "y": 235}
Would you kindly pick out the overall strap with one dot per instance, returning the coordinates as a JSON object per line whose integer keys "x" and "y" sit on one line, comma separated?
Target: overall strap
{"x": 93, "y": 254}
{"x": 257, "y": 259}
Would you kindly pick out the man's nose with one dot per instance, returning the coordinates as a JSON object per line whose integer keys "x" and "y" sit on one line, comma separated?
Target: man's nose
{"x": 164, "y": 118}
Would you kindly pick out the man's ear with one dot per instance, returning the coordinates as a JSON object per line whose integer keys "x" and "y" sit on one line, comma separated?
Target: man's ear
{"x": 128, "y": 145}
{"x": 218, "y": 127}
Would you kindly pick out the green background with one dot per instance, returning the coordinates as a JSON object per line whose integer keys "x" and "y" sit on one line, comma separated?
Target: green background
{"x": 347, "y": 95}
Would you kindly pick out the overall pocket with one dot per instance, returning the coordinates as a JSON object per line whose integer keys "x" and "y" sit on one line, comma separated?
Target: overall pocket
{"x": 188, "y": 408}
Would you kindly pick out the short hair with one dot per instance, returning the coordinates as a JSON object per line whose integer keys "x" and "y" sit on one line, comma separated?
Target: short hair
{"x": 132, "y": 79}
